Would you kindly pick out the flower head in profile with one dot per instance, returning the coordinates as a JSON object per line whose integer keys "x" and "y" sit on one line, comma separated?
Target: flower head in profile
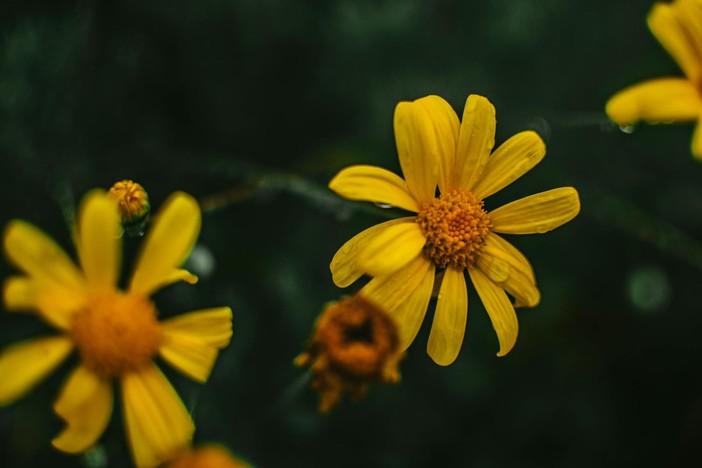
{"x": 116, "y": 333}
{"x": 452, "y": 232}
{"x": 206, "y": 456}
{"x": 354, "y": 344}
{"x": 678, "y": 27}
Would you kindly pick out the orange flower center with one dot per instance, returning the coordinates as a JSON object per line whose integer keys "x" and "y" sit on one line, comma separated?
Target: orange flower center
{"x": 116, "y": 333}
{"x": 455, "y": 225}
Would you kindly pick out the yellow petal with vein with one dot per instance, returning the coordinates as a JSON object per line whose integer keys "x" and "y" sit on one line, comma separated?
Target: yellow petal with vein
{"x": 671, "y": 26}
{"x": 449, "y": 325}
{"x": 537, "y": 213}
{"x": 512, "y": 273}
{"x": 36, "y": 254}
{"x": 158, "y": 425}
{"x": 417, "y": 149}
{"x": 499, "y": 308}
{"x": 475, "y": 141}
{"x": 391, "y": 249}
{"x": 189, "y": 355}
{"x": 85, "y": 404}
{"x": 344, "y": 266}
{"x": 24, "y": 364}
{"x": 99, "y": 243}
{"x": 410, "y": 315}
{"x": 211, "y": 326}
{"x": 171, "y": 238}
{"x": 446, "y": 126}
{"x": 655, "y": 101}
{"x": 54, "y": 303}
{"x": 514, "y": 158}
{"x": 373, "y": 184}
{"x": 391, "y": 291}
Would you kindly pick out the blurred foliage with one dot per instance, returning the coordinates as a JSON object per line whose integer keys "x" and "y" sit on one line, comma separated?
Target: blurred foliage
{"x": 252, "y": 106}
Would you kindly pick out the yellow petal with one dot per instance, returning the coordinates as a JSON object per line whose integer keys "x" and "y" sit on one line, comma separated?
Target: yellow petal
{"x": 449, "y": 325}
{"x": 373, "y": 184}
{"x": 417, "y": 149}
{"x": 390, "y": 292}
{"x": 410, "y": 315}
{"x": 658, "y": 100}
{"x": 537, "y": 213}
{"x": 211, "y": 326}
{"x": 36, "y": 254}
{"x": 499, "y": 308}
{"x": 671, "y": 25}
{"x": 158, "y": 425}
{"x": 475, "y": 141}
{"x": 697, "y": 141}
{"x": 513, "y": 274}
{"x": 446, "y": 125}
{"x": 54, "y": 303}
{"x": 85, "y": 404}
{"x": 514, "y": 158}
{"x": 99, "y": 243}
{"x": 391, "y": 249}
{"x": 344, "y": 264}
{"x": 24, "y": 364}
{"x": 168, "y": 243}
{"x": 189, "y": 355}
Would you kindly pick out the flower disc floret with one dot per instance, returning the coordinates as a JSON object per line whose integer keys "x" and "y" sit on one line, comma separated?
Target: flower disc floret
{"x": 456, "y": 226}
{"x": 116, "y": 333}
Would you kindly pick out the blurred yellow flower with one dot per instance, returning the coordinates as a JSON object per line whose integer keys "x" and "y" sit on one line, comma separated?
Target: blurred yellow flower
{"x": 678, "y": 27}
{"x": 116, "y": 333}
{"x": 354, "y": 344}
{"x": 453, "y": 231}
{"x": 206, "y": 456}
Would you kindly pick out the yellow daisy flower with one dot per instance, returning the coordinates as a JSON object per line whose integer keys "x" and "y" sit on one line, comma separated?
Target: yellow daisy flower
{"x": 451, "y": 232}
{"x": 678, "y": 27}
{"x": 116, "y": 333}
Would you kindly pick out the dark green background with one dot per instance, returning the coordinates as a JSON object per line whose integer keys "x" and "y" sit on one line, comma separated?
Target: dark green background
{"x": 264, "y": 101}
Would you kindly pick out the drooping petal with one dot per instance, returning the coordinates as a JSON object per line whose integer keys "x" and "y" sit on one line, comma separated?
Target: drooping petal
{"x": 417, "y": 149}
{"x": 344, "y": 266}
{"x": 511, "y": 160}
{"x": 158, "y": 425}
{"x": 537, "y": 213}
{"x": 499, "y": 308}
{"x": 85, "y": 404}
{"x": 211, "y": 326}
{"x": 391, "y": 249}
{"x": 446, "y": 125}
{"x": 190, "y": 342}
{"x": 36, "y": 254}
{"x": 657, "y": 100}
{"x": 512, "y": 273}
{"x": 670, "y": 23}
{"x": 54, "y": 303}
{"x": 449, "y": 325}
{"x": 475, "y": 141}
{"x": 391, "y": 291}
{"x": 410, "y": 315}
{"x": 99, "y": 243}
{"x": 24, "y": 364}
{"x": 373, "y": 184}
{"x": 168, "y": 243}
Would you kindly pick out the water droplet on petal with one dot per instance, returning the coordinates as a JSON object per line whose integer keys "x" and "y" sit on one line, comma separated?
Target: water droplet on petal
{"x": 542, "y": 228}
{"x": 628, "y": 129}
{"x": 384, "y": 206}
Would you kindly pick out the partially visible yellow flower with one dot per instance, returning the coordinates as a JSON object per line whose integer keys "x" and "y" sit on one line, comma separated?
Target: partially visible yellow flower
{"x": 116, "y": 333}
{"x": 354, "y": 344}
{"x": 206, "y": 456}
{"x": 678, "y": 27}
{"x": 453, "y": 232}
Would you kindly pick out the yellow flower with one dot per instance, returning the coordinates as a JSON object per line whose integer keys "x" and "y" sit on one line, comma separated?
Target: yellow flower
{"x": 206, "y": 456}
{"x": 678, "y": 27}
{"x": 354, "y": 344}
{"x": 116, "y": 333}
{"x": 451, "y": 232}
